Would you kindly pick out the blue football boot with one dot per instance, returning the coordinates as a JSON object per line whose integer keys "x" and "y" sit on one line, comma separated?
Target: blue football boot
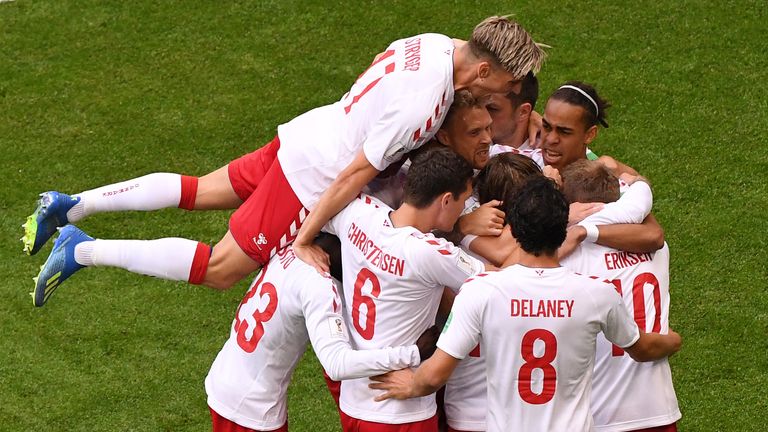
{"x": 60, "y": 264}
{"x": 51, "y": 213}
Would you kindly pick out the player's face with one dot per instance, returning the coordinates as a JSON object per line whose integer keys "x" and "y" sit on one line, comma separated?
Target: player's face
{"x": 503, "y": 116}
{"x": 469, "y": 135}
{"x": 452, "y": 209}
{"x": 564, "y": 137}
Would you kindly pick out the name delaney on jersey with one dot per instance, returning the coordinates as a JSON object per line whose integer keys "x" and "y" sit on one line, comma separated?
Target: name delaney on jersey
{"x": 529, "y": 308}
{"x": 373, "y": 254}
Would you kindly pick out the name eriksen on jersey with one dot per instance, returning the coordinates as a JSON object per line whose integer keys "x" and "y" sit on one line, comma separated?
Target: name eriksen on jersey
{"x": 620, "y": 260}
{"x": 528, "y": 308}
{"x": 389, "y": 263}
{"x": 412, "y": 54}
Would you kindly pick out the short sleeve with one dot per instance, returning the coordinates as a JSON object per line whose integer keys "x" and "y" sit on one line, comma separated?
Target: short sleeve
{"x": 632, "y": 207}
{"x": 441, "y": 263}
{"x": 618, "y": 327}
{"x": 404, "y": 126}
{"x": 462, "y": 331}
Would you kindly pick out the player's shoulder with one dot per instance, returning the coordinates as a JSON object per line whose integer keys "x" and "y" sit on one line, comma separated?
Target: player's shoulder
{"x": 595, "y": 286}
{"x": 429, "y": 245}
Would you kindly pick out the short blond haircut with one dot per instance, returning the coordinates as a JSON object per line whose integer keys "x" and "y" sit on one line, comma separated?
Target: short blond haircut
{"x": 508, "y": 44}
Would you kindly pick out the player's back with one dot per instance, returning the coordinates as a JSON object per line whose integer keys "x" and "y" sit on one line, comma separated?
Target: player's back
{"x": 249, "y": 379}
{"x": 628, "y": 395}
{"x": 396, "y": 105}
{"x": 393, "y": 282}
{"x": 538, "y": 334}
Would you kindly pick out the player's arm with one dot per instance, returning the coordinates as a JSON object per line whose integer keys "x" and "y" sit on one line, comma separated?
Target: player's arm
{"x": 654, "y": 346}
{"x": 495, "y": 249}
{"x": 620, "y": 329}
{"x": 427, "y": 379}
{"x": 341, "y": 192}
{"x": 615, "y": 166}
{"x": 461, "y": 335}
{"x": 617, "y": 224}
{"x": 328, "y": 334}
{"x": 637, "y": 238}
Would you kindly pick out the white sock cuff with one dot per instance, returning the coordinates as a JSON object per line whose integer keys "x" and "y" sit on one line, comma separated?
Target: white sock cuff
{"x": 84, "y": 253}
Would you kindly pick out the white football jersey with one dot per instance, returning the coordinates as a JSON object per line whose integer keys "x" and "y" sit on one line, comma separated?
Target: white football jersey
{"x": 288, "y": 305}
{"x": 393, "y": 279}
{"x": 395, "y": 106}
{"x": 465, "y": 399}
{"x": 537, "y": 328}
{"x": 628, "y": 395}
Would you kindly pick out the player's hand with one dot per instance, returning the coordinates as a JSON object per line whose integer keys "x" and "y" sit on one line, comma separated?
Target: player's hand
{"x": 396, "y": 384}
{"x": 629, "y": 179}
{"x": 534, "y": 128}
{"x": 551, "y": 172}
{"x": 573, "y": 238}
{"x": 427, "y": 342}
{"x": 313, "y": 255}
{"x": 675, "y": 341}
{"x": 580, "y": 211}
{"x": 487, "y": 220}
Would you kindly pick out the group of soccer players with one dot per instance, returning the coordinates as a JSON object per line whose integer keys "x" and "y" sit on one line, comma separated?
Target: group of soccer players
{"x": 557, "y": 289}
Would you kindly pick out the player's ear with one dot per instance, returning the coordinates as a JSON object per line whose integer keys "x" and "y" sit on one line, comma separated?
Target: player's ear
{"x": 483, "y": 69}
{"x": 443, "y": 137}
{"x": 445, "y": 199}
{"x": 591, "y": 135}
{"x": 524, "y": 112}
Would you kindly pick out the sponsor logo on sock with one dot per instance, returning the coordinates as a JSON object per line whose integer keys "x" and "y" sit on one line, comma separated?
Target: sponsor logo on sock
{"x": 261, "y": 240}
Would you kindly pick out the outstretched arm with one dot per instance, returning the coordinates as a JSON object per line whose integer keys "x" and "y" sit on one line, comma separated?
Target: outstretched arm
{"x": 341, "y": 192}
{"x": 406, "y": 384}
{"x": 654, "y": 346}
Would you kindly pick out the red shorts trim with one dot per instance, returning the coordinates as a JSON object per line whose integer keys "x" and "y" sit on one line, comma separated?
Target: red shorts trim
{"x": 350, "y": 424}
{"x": 247, "y": 172}
{"x": 270, "y": 217}
{"x": 221, "y": 424}
{"x": 334, "y": 387}
{"x": 668, "y": 428}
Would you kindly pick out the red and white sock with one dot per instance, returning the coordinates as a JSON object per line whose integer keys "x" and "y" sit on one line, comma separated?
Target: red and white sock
{"x": 150, "y": 192}
{"x": 168, "y": 258}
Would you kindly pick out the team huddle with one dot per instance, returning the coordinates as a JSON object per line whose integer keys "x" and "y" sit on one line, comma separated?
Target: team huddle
{"x": 431, "y": 197}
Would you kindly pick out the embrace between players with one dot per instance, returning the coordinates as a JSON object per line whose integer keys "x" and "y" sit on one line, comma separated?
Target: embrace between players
{"x": 529, "y": 344}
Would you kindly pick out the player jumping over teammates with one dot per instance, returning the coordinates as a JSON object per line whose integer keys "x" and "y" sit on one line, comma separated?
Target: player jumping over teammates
{"x": 287, "y": 190}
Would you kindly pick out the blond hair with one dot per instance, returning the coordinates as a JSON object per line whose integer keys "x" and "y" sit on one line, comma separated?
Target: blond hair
{"x": 508, "y": 44}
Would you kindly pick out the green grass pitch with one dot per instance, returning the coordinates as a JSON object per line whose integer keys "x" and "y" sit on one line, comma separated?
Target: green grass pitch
{"x": 92, "y": 92}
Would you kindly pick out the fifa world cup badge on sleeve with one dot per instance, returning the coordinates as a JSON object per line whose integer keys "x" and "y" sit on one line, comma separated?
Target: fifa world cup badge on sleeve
{"x": 336, "y": 327}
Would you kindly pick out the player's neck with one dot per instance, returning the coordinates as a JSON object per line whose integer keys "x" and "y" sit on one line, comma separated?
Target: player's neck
{"x": 516, "y": 138}
{"x": 463, "y": 71}
{"x": 407, "y": 215}
{"x": 541, "y": 261}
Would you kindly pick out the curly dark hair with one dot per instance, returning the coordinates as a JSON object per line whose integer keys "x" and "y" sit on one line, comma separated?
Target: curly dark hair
{"x": 538, "y": 216}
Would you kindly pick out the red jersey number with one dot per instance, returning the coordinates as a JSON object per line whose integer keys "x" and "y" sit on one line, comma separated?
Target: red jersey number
{"x": 260, "y": 317}
{"x": 638, "y": 303}
{"x": 358, "y": 299}
{"x": 524, "y": 377}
